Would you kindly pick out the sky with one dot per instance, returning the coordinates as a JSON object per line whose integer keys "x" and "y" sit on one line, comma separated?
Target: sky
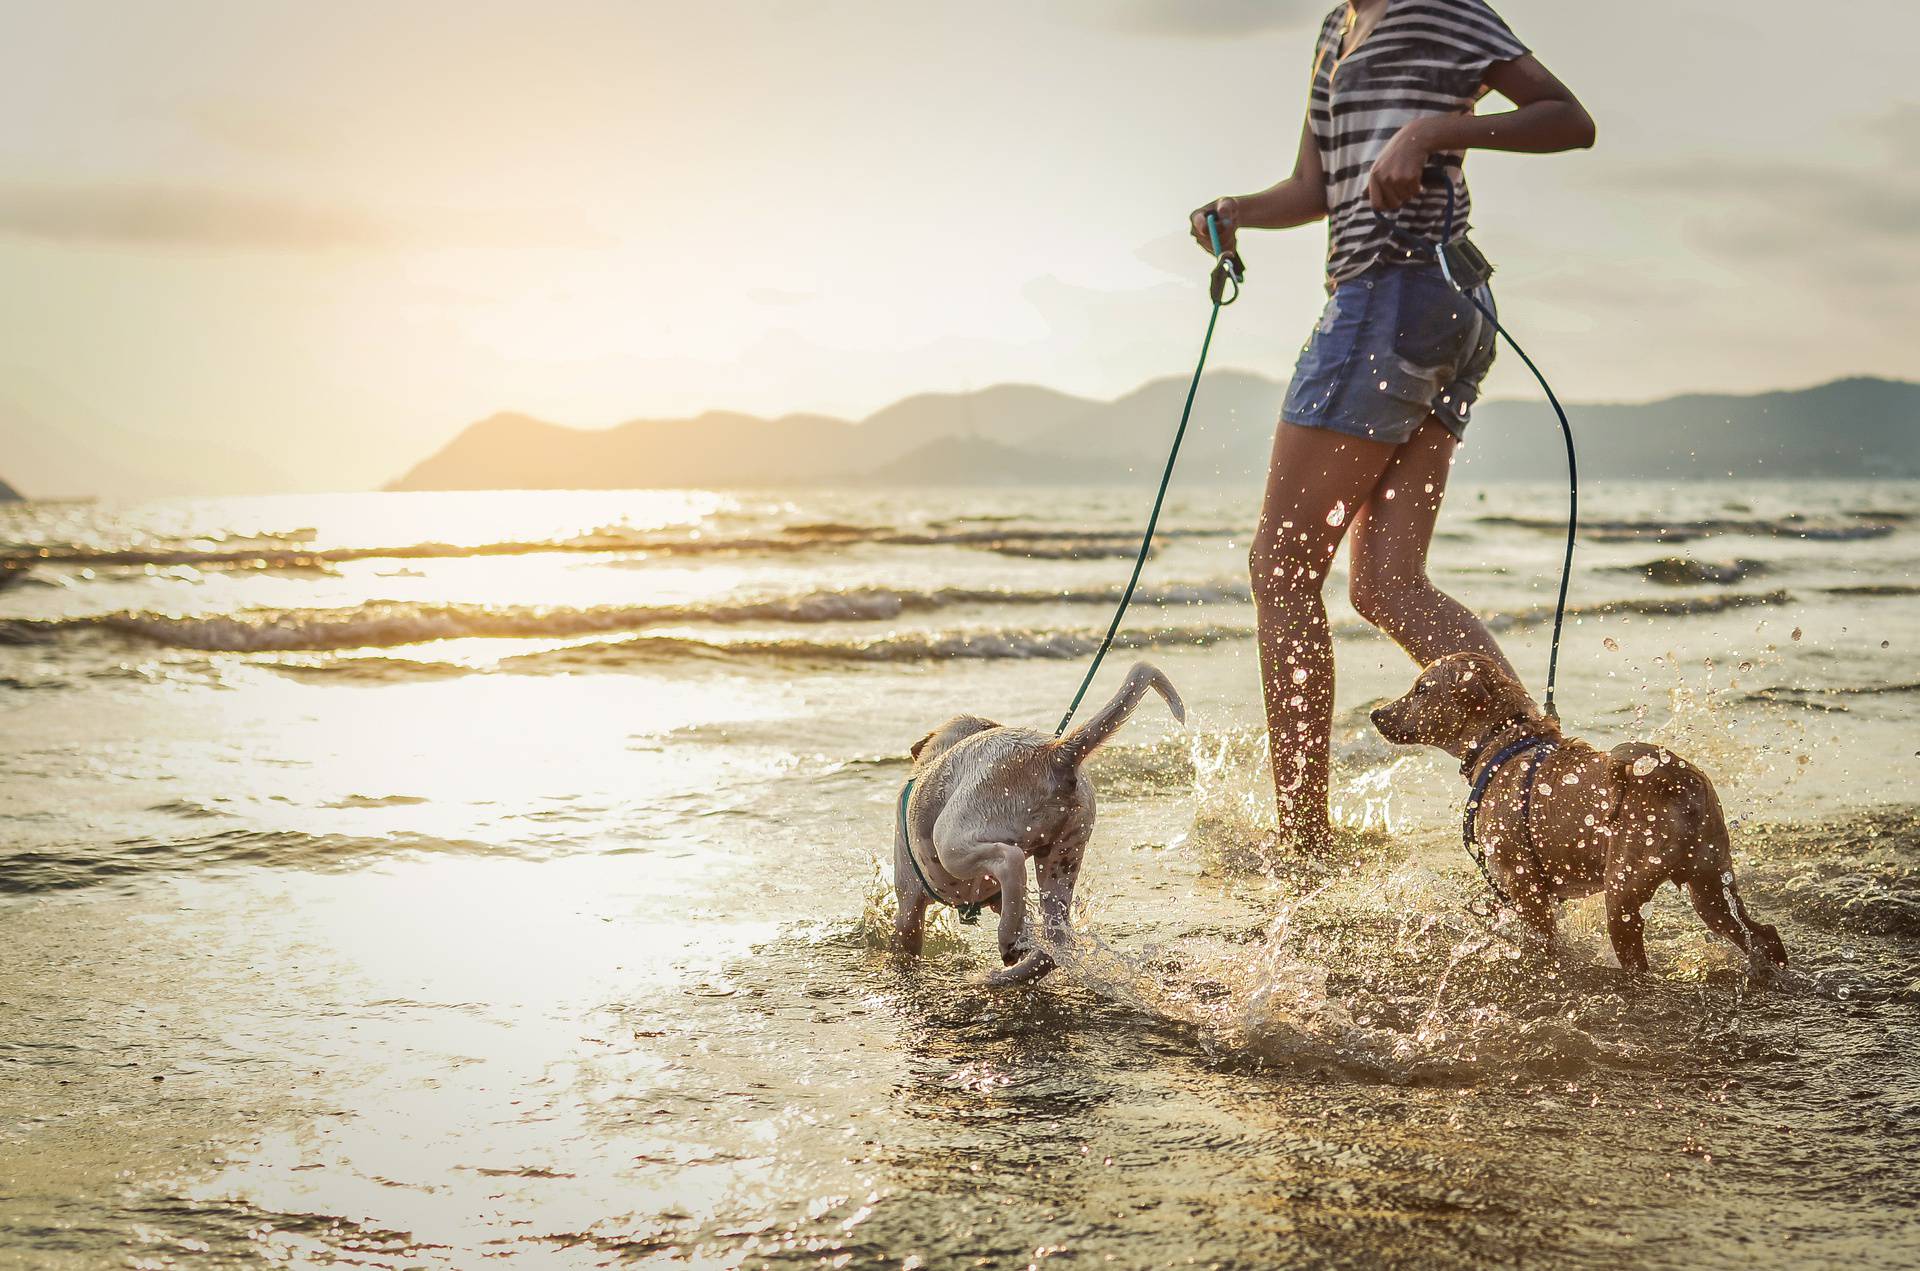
{"x": 254, "y": 245}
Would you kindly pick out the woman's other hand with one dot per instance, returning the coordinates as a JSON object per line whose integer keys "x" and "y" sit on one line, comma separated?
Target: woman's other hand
{"x": 1227, "y": 212}
{"x": 1396, "y": 173}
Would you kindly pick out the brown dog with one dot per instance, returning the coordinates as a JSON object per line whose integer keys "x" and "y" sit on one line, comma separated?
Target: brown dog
{"x": 1558, "y": 819}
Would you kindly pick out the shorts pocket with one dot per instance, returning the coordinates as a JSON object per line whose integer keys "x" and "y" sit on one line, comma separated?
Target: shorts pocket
{"x": 1328, "y": 358}
{"x": 1434, "y": 325}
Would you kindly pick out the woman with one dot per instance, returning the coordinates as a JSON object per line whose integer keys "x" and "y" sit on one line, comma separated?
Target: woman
{"x": 1382, "y": 392}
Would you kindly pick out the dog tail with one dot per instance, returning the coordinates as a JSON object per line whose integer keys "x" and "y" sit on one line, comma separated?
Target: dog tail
{"x": 1084, "y": 740}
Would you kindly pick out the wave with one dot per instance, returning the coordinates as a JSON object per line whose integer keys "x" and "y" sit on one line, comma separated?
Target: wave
{"x": 30, "y": 873}
{"x": 1822, "y": 698}
{"x": 389, "y": 624}
{"x": 1666, "y": 531}
{"x": 1682, "y": 571}
{"x": 1654, "y": 607}
{"x": 393, "y": 624}
{"x": 1040, "y": 644}
{"x": 1874, "y": 589}
{"x": 1061, "y": 543}
{"x": 987, "y": 645}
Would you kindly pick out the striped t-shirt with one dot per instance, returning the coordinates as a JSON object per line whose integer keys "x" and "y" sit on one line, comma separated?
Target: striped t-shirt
{"x": 1425, "y": 57}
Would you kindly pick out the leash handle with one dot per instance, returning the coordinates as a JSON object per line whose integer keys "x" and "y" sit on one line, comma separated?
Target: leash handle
{"x": 1225, "y": 261}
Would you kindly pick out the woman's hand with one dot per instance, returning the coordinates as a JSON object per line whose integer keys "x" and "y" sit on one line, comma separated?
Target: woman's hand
{"x": 1227, "y": 212}
{"x": 1396, "y": 173}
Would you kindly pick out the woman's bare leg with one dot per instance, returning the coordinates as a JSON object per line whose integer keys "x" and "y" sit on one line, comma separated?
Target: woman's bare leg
{"x": 1388, "y": 581}
{"x": 1317, "y": 481}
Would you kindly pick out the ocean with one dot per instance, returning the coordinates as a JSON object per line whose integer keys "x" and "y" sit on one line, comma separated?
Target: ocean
{"x": 458, "y": 880}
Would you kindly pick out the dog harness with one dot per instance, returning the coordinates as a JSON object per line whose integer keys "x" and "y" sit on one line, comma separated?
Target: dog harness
{"x": 968, "y": 913}
{"x": 1535, "y": 748}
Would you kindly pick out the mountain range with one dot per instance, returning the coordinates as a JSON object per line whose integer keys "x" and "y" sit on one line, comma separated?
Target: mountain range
{"x": 1860, "y": 427}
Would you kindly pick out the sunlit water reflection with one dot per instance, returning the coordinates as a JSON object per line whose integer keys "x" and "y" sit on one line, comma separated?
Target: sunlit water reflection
{"x": 551, "y": 929}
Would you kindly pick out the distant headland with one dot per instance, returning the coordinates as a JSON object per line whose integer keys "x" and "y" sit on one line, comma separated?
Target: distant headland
{"x": 1015, "y": 433}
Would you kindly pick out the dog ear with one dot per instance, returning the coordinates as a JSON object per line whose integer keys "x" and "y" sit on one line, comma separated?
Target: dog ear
{"x": 920, "y": 745}
{"x": 1494, "y": 690}
{"x": 1476, "y": 681}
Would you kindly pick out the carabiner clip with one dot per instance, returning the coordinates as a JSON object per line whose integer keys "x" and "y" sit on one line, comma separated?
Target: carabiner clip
{"x": 1227, "y": 267}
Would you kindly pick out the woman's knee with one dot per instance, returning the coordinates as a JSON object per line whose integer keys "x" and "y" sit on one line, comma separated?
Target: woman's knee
{"x": 1285, "y": 564}
{"x": 1385, "y": 597}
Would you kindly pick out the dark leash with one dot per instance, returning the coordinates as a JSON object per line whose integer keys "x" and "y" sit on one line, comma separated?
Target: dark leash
{"x": 1228, "y": 271}
{"x": 1223, "y": 288}
{"x": 1466, "y": 271}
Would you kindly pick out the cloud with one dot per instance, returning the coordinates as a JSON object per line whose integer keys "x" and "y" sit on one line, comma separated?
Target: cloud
{"x": 1809, "y": 196}
{"x": 1205, "y": 19}
{"x": 156, "y": 215}
{"x": 1832, "y": 224}
{"x": 168, "y": 216}
{"x": 1899, "y": 128}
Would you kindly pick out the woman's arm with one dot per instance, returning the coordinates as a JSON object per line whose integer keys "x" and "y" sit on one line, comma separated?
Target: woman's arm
{"x": 1298, "y": 200}
{"x": 1547, "y": 119}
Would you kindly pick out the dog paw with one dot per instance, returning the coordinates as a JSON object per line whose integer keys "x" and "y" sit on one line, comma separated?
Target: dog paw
{"x": 1032, "y": 968}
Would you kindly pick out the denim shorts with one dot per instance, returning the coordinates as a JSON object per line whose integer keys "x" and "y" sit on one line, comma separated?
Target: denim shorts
{"x": 1394, "y": 345}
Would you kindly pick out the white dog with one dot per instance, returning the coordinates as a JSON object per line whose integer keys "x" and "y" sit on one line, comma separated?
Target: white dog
{"x": 982, "y": 799}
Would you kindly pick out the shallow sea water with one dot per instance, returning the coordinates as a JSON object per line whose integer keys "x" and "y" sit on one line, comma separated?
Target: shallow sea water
{"x": 455, "y": 880}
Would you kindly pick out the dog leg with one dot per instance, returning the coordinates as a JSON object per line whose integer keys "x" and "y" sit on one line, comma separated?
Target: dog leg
{"x": 1534, "y": 906}
{"x": 1059, "y": 873}
{"x": 1008, "y": 865}
{"x": 1715, "y": 898}
{"x": 970, "y": 858}
{"x": 1627, "y": 895}
{"x": 910, "y": 900}
{"x": 1718, "y": 905}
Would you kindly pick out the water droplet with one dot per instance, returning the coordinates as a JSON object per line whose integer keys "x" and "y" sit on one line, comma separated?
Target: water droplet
{"x": 1339, "y": 517}
{"x": 1611, "y": 645}
{"x": 1299, "y": 675}
{"x": 1797, "y": 633}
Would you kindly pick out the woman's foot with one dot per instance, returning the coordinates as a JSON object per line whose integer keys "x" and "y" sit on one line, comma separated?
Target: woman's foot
{"x": 1301, "y": 836}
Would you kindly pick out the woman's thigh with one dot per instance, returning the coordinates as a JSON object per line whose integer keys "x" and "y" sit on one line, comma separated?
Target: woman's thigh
{"x": 1394, "y": 528}
{"x": 1317, "y": 482}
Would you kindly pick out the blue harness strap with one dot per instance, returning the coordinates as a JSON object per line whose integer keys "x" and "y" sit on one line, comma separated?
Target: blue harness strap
{"x": 968, "y": 913}
{"x": 1539, "y": 746}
